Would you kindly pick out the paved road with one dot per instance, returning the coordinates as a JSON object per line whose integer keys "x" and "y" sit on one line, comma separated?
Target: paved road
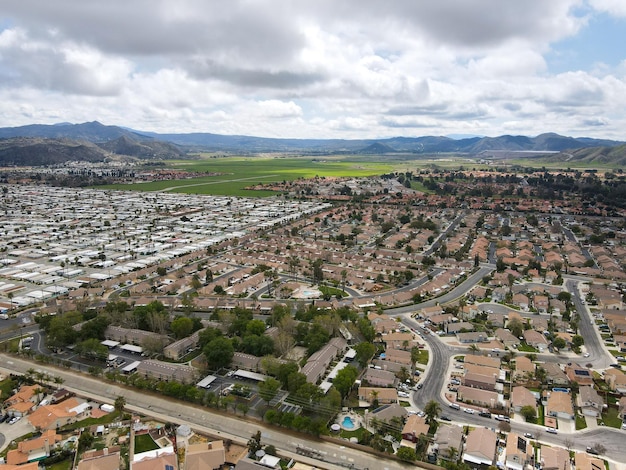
{"x": 216, "y": 424}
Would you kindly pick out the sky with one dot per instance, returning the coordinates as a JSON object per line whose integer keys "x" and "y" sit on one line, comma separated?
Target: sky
{"x": 346, "y": 69}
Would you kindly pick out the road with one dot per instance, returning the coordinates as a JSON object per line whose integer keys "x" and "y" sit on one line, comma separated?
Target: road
{"x": 218, "y": 425}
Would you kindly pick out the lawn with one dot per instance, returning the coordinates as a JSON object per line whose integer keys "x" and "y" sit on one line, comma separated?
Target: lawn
{"x": 358, "y": 433}
{"x": 423, "y": 357}
{"x": 581, "y": 423}
{"x": 106, "y": 419}
{"x": 237, "y": 173}
{"x": 611, "y": 418}
{"x": 62, "y": 465}
{"x": 526, "y": 348}
{"x": 144, "y": 443}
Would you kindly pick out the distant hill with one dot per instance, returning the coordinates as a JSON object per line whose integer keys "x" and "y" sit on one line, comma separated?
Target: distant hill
{"x": 143, "y": 149}
{"x": 377, "y": 148}
{"x": 615, "y": 156}
{"x": 140, "y": 144}
{"x": 35, "y": 151}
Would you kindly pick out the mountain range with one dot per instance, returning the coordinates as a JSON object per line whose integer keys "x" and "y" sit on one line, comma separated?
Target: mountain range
{"x": 99, "y": 142}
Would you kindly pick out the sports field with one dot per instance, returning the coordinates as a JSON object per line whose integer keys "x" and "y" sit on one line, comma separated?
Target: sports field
{"x": 236, "y": 173}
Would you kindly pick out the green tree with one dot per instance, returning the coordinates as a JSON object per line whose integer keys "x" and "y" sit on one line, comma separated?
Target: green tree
{"x": 93, "y": 348}
{"x": 577, "y": 341}
{"x": 120, "y": 403}
{"x": 407, "y": 454}
{"x": 344, "y": 380}
{"x": 364, "y": 352}
{"x": 85, "y": 440}
{"x": 432, "y": 411}
{"x": 268, "y": 389}
{"x": 516, "y": 327}
{"x": 254, "y": 443}
{"x": 528, "y": 412}
{"x": 559, "y": 343}
{"x": 219, "y": 353}
{"x": 181, "y": 327}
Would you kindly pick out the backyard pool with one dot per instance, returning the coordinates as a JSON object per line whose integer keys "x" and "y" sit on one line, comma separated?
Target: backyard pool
{"x": 347, "y": 423}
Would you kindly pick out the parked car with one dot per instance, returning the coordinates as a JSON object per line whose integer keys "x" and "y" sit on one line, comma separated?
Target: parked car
{"x": 529, "y": 435}
{"x": 454, "y": 406}
{"x": 444, "y": 418}
{"x": 469, "y": 410}
{"x": 552, "y": 430}
{"x": 591, "y": 450}
{"x": 485, "y": 414}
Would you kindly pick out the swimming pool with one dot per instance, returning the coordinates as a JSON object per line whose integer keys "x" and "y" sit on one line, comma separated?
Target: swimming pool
{"x": 347, "y": 423}
{"x": 556, "y": 389}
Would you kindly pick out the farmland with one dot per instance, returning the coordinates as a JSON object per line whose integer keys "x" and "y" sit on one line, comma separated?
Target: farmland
{"x": 237, "y": 173}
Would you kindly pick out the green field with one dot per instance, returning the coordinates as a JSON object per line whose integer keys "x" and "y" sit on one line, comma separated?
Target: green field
{"x": 236, "y": 173}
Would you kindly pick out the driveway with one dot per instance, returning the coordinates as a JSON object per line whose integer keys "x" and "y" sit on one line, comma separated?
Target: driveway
{"x": 10, "y": 432}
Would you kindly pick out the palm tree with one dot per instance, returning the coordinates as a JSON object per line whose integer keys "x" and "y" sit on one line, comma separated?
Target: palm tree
{"x": 473, "y": 348}
{"x": 432, "y": 411}
{"x": 59, "y": 381}
{"x": 344, "y": 275}
{"x": 120, "y": 403}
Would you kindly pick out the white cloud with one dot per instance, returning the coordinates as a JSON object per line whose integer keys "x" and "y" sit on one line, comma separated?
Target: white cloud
{"x": 356, "y": 68}
{"x": 613, "y": 7}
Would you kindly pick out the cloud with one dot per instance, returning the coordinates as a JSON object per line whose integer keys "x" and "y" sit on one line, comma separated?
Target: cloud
{"x": 355, "y": 68}
{"x": 613, "y": 7}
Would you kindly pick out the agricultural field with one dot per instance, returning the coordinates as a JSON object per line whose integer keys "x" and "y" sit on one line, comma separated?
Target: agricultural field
{"x": 237, "y": 173}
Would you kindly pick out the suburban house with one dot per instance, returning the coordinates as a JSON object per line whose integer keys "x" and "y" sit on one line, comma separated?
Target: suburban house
{"x": 383, "y": 395}
{"x": 163, "y": 458}
{"x": 480, "y": 447}
{"x": 584, "y": 461}
{"x": 414, "y": 426}
{"x": 559, "y": 405}
{"x": 205, "y": 456}
{"x": 386, "y": 413}
{"x": 379, "y": 377}
{"x": 519, "y": 451}
{"x": 616, "y": 380}
{"x": 524, "y": 369}
{"x": 458, "y": 327}
{"x": 506, "y": 337}
{"x": 554, "y": 374}
{"x": 535, "y": 339}
{"x": 59, "y": 414}
{"x": 477, "y": 380}
{"x": 33, "y": 449}
{"x": 449, "y": 441}
{"x": 105, "y": 459}
{"x": 475, "y": 396}
{"x": 589, "y": 402}
{"x": 555, "y": 458}
{"x": 26, "y": 393}
{"x": 521, "y": 397}
{"x": 398, "y": 341}
{"x": 481, "y": 360}
{"x": 579, "y": 374}
{"x": 398, "y": 356}
{"x": 472, "y": 337}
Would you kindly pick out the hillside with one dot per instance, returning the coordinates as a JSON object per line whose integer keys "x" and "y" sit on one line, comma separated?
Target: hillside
{"x": 615, "y": 156}
{"x": 33, "y": 151}
{"x": 143, "y": 149}
{"x": 140, "y": 144}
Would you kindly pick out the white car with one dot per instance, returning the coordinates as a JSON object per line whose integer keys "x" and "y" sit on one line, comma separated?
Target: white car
{"x": 552, "y": 430}
{"x": 469, "y": 410}
{"x": 586, "y": 355}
